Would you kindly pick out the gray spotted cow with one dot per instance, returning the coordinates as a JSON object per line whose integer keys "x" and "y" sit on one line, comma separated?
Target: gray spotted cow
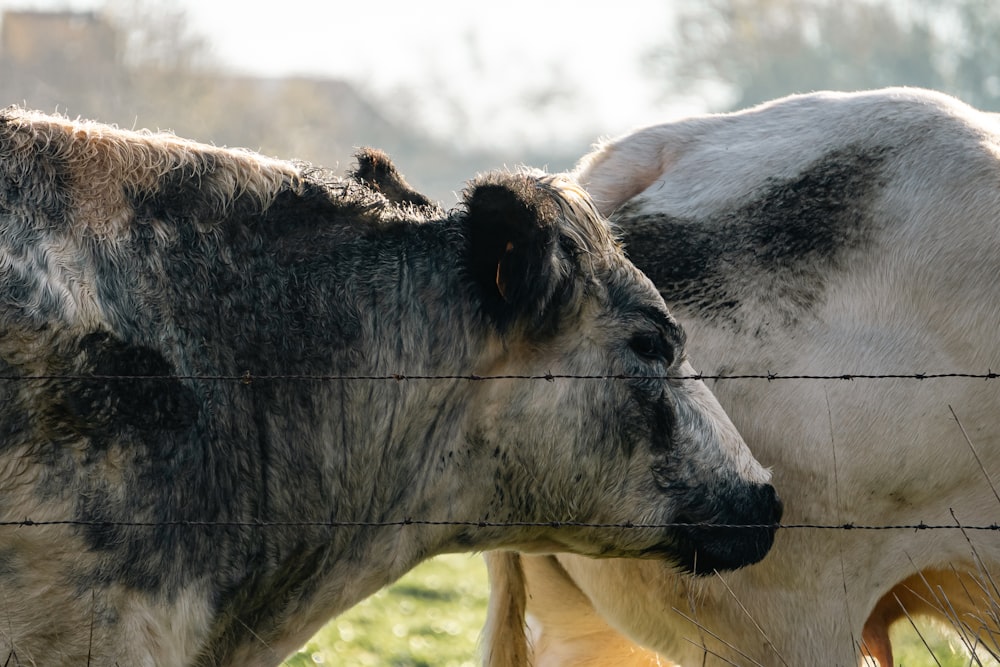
{"x": 172, "y": 513}
{"x": 822, "y": 234}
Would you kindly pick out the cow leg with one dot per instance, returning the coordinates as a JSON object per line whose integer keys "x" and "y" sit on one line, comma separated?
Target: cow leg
{"x": 504, "y": 643}
{"x": 570, "y": 632}
{"x": 875, "y": 643}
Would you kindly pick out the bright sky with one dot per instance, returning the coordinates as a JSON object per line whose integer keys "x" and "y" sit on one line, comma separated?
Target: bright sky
{"x": 474, "y": 65}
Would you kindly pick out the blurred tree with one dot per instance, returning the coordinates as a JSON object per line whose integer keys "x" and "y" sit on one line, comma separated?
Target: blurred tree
{"x": 168, "y": 75}
{"x": 976, "y": 76}
{"x": 756, "y": 50}
{"x": 157, "y": 36}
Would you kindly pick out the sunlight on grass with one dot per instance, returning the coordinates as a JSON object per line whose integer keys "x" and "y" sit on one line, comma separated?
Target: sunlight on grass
{"x": 432, "y": 618}
{"x": 429, "y": 618}
{"x": 910, "y": 650}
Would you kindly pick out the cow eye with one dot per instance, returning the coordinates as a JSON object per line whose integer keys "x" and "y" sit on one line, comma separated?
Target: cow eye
{"x": 652, "y": 347}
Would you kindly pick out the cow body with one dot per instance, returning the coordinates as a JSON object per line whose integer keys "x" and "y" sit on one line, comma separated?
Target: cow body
{"x": 824, "y": 234}
{"x": 190, "y": 517}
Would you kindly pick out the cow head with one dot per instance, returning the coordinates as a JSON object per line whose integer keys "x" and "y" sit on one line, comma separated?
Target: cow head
{"x": 634, "y": 442}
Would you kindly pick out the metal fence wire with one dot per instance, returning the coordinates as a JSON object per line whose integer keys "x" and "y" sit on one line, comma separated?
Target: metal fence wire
{"x": 248, "y": 378}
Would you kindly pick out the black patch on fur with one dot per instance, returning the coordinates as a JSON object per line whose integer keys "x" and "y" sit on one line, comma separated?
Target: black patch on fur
{"x": 657, "y": 414}
{"x": 376, "y": 170}
{"x": 134, "y": 388}
{"x": 782, "y": 245}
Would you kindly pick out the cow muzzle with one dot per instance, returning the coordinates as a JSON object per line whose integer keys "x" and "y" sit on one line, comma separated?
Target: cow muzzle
{"x": 739, "y": 535}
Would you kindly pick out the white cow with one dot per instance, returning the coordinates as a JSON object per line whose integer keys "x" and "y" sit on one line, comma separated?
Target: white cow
{"x": 819, "y": 234}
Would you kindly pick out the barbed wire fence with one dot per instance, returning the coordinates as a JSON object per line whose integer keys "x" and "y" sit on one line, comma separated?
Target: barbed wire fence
{"x": 247, "y": 379}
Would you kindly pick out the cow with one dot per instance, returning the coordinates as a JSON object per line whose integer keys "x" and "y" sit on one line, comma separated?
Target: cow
{"x": 239, "y": 394}
{"x": 822, "y": 234}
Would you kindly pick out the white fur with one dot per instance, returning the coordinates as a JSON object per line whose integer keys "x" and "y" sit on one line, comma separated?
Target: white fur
{"x": 923, "y": 297}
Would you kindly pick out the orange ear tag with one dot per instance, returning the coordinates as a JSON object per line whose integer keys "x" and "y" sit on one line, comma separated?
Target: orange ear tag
{"x": 501, "y": 286}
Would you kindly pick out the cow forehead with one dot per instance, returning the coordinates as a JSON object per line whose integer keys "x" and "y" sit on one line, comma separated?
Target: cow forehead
{"x": 581, "y": 224}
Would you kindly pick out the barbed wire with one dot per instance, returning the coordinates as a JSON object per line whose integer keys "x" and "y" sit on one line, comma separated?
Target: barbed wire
{"x": 261, "y": 524}
{"x": 249, "y": 378}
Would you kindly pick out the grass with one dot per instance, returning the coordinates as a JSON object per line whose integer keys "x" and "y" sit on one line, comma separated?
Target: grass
{"x": 432, "y": 618}
{"x": 910, "y": 650}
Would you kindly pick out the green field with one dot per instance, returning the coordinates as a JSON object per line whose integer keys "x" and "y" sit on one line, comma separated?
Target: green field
{"x": 432, "y": 618}
{"x": 911, "y": 651}
{"x": 429, "y": 618}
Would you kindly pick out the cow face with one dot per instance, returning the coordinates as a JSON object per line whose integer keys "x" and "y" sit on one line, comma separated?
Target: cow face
{"x": 637, "y": 441}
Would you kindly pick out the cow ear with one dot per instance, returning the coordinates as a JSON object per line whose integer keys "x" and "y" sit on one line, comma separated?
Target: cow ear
{"x": 512, "y": 248}
{"x": 618, "y": 171}
{"x": 376, "y": 170}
